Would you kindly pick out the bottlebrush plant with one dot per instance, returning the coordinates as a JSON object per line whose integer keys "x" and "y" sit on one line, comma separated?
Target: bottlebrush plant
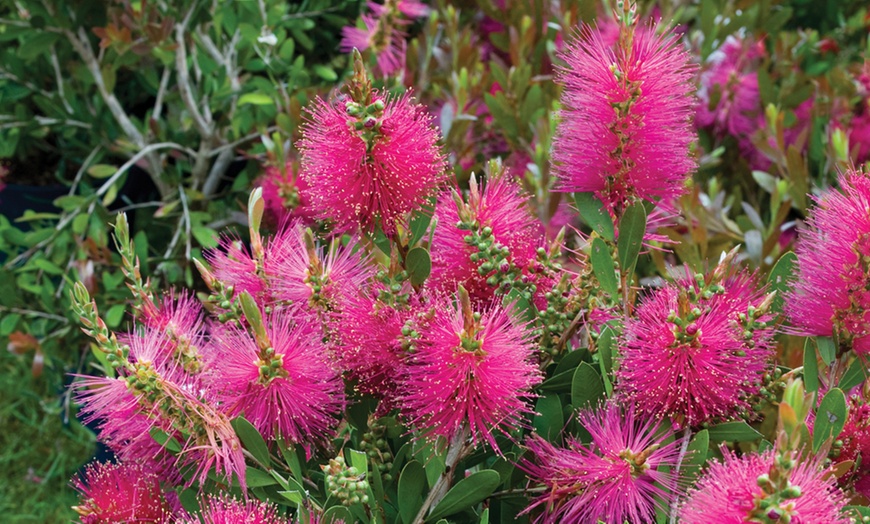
{"x": 411, "y": 349}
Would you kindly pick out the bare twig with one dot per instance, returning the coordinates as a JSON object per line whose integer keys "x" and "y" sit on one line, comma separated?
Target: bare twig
{"x": 218, "y": 169}
{"x": 55, "y": 63}
{"x": 684, "y": 447}
{"x": 81, "y": 172}
{"x": 33, "y": 313}
{"x": 184, "y": 88}
{"x": 186, "y": 217}
{"x": 161, "y": 92}
{"x": 456, "y": 451}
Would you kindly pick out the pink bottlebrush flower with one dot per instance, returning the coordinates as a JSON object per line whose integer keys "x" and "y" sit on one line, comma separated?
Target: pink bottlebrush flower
{"x": 685, "y": 354}
{"x": 178, "y": 321}
{"x": 371, "y": 352}
{"x": 375, "y": 175}
{"x": 626, "y": 123}
{"x": 470, "y": 374}
{"x": 859, "y": 135}
{"x": 383, "y": 32}
{"x": 311, "y": 277}
{"x": 829, "y": 294}
{"x": 287, "y": 390}
{"x": 501, "y": 207}
{"x": 730, "y": 490}
{"x": 232, "y": 263}
{"x": 226, "y": 510}
{"x": 616, "y": 478}
{"x": 285, "y": 194}
{"x": 856, "y": 446}
{"x": 729, "y": 98}
{"x": 122, "y": 492}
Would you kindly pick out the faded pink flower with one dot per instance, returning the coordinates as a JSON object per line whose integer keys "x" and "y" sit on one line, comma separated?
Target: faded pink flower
{"x": 383, "y": 32}
{"x": 284, "y": 194}
{"x": 685, "y": 353}
{"x": 226, "y": 510}
{"x": 502, "y": 207}
{"x": 369, "y": 171}
{"x": 856, "y": 445}
{"x": 120, "y": 492}
{"x": 830, "y": 294}
{"x": 859, "y": 135}
{"x": 620, "y": 476}
{"x": 626, "y": 123}
{"x": 295, "y": 394}
{"x": 232, "y": 263}
{"x": 470, "y": 373}
{"x": 730, "y": 490}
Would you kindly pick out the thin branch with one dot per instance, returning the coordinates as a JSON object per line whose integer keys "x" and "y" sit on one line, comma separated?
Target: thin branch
{"x": 684, "y": 447}
{"x": 32, "y": 313}
{"x": 161, "y": 92}
{"x": 81, "y": 172}
{"x": 186, "y": 217}
{"x": 55, "y": 63}
{"x": 184, "y": 88}
{"x": 218, "y": 170}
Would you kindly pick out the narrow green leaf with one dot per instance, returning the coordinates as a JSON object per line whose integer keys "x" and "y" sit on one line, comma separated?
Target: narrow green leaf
{"x": 603, "y": 267}
{"x": 467, "y": 493}
{"x": 605, "y": 348}
{"x": 586, "y": 386}
{"x": 550, "y": 420}
{"x": 779, "y": 279}
{"x": 7, "y": 325}
{"x": 257, "y": 99}
{"x": 632, "y": 227}
{"x": 256, "y": 478}
{"x": 593, "y": 213}
{"x": 696, "y": 455}
{"x": 115, "y": 315}
{"x": 830, "y": 418}
{"x": 163, "y": 438}
{"x": 853, "y": 376}
{"x": 733, "y": 432}
{"x": 293, "y": 496}
{"x": 251, "y": 440}
{"x": 484, "y": 516}
{"x": 359, "y": 460}
{"x": 827, "y": 349}
{"x": 412, "y": 482}
{"x": 420, "y": 220}
{"x": 419, "y": 265}
{"x": 206, "y": 236}
{"x": 811, "y": 366}
{"x": 522, "y": 307}
{"x": 102, "y": 170}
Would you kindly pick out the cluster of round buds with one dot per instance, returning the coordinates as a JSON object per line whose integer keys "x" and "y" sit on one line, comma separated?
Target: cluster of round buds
{"x": 777, "y": 507}
{"x": 395, "y": 292}
{"x": 366, "y": 120}
{"x": 555, "y": 320}
{"x": 751, "y": 320}
{"x": 772, "y": 388}
{"x": 345, "y": 483}
{"x": 495, "y": 262}
{"x": 375, "y": 444}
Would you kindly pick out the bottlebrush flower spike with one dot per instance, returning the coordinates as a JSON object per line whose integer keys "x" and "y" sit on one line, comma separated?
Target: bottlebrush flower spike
{"x": 498, "y": 215}
{"x": 830, "y": 294}
{"x": 697, "y": 348}
{"x": 285, "y": 194}
{"x": 282, "y": 381}
{"x": 226, "y": 510}
{"x": 369, "y": 160}
{"x": 472, "y": 371}
{"x": 626, "y": 123}
{"x": 383, "y": 32}
{"x": 120, "y": 492}
{"x": 737, "y": 490}
{"x": 616, "y": 478}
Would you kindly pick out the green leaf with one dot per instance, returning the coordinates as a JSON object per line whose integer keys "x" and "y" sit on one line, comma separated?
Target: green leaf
{"x": 257, "y": 99}
{"x": 733, "y": 432}
{"x": 830, "y": 418}
{"x": 827, "y": 349}
{"x": 467, "y": 493}
{"x": 359, "y": 460}
{"x": 811, "y": 366}
{"x": 325, "y": 72}
{"x": 696, "y": 455}
{"x": 206, "y": 236}
{"x": 252, "y": 440}
{"x": 7, "y": 325}
{"x": 114, "y": 315}
{"x": 337, "y": 514}
{"x": 550, "y": 420}
{"x": 256, "y": 478}
{"x": 593, "y": 213}
{"x": 412, "y": 482}
{"x": 163, "y": 438}
{"x": 419, "y": 265}
{"x": 293, "y": 496}
{"x": 779, "y": 279}
{"x": 632, "y": 227}
{"x": 602, "y": 266}
{"x": 853, "y": 376}
{"x": 560, "y": 382}
{"x": 586, "y": 386}
{"x": 420, "y": 220}
{"x": 605, "y": 348}
{"x": 102, "y": 170}
{"x": 484, "y": 516}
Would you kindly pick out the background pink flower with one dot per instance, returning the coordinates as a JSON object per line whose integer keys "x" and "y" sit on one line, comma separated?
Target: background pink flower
{"x": 122, "y": 492}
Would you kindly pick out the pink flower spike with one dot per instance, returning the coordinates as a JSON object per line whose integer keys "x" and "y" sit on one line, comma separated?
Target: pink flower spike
{"x": 470, "y": 372}
{"x": 685, "y": 354}
{"x": 501, "y": 206}
{"x": 123, "y": 492}
{"x": 295, "y": 394}
{"x": 730, "y": 490}
{"x": 830, "y": 292}
{"x": 372, "y": 171}
{"x": 620, "y": 476}
{"x": 626, "y": 123}
{"x": 226, "y": 510}
{"x": 285, "y": 195}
